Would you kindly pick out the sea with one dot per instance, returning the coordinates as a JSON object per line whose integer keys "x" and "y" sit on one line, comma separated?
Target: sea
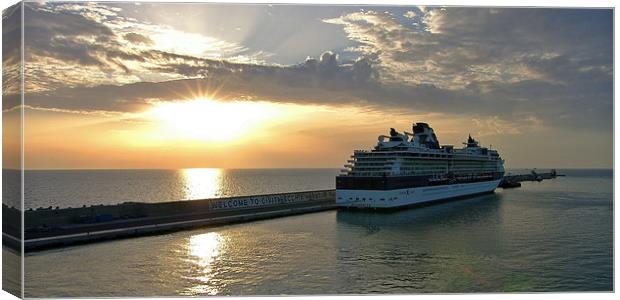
{"x": 550, "y": 236}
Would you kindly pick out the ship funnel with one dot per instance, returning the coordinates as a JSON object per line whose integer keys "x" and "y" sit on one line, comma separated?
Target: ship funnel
{"x": 471, "y": 142}
{"x": 425, "y": 136}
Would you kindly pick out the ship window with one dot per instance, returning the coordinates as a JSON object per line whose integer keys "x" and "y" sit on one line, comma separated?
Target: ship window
{"x": 382, "y": 199}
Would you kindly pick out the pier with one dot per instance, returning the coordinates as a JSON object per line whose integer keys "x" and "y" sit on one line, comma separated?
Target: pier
{"x": 513, "y": 181}
{"x": 58, "y": 227}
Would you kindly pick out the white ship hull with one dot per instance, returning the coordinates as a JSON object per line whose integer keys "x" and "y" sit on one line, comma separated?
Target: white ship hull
{"x": 410, "y": 196}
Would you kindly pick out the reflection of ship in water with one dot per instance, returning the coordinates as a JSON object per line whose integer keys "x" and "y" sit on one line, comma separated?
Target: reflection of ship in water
{"x": 411, "y": 250}
{"x": 478, "y": 208}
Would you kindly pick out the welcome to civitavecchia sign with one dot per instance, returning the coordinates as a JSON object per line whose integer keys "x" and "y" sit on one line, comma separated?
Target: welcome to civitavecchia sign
{"x": 265, "y": 200}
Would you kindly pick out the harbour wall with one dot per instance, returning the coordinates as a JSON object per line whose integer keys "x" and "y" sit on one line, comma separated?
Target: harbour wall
{"x": 50, "y": 217}
{"x": 50, "y": 227}
{"x": 512, "y": 181}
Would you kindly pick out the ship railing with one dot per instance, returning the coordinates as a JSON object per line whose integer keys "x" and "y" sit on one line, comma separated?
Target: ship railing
{"x": 439, "y": 156}
{"x": 472, "y": 170}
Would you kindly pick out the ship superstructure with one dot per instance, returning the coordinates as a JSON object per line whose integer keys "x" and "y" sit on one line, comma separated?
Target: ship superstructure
{"x": 413, "y": 168}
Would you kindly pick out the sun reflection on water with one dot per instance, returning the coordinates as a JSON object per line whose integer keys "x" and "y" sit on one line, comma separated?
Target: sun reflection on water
{"x": 203, "y": 251}
{"x": 202, "y": 183}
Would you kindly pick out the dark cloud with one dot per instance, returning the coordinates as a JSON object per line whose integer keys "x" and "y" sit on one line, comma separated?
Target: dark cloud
{"x": 11, "y": 56}
{"x": 63, "y": 35}
{"x": 303, "y": 85}
{"x": 457, "y": 46}
{"x": 11, "y": 34}
{"x": 552, "y": 64}
{"x": 363, "y": 70}
{"x": 300, "y": 83}
{"x": 137, "y": 38}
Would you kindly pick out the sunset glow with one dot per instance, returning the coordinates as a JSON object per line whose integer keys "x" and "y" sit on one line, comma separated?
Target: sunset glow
{"x": 125, "y": 85}
{"x": 210, "y": 120}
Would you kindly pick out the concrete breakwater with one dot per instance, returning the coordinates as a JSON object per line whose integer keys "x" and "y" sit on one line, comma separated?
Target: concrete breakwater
{"x": 512, "y": 181}
{"x": 45, "y": 228}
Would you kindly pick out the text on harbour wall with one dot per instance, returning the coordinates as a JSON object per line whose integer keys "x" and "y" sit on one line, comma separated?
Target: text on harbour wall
{"x": 268, "y": 200}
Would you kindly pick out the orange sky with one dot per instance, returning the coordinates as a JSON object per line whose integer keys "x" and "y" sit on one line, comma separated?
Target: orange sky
{"x": 286, "y": 136}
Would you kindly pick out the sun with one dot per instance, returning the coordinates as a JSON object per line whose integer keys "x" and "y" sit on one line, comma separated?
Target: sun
{"x": 211, "y": 120}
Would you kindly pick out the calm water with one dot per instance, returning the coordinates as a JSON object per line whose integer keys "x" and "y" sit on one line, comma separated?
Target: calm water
{"x": 88, "y": 187}
{"x": 551, "y": 236}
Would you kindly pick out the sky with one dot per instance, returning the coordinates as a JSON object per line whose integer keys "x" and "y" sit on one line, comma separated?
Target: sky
{"x": 174, "y": 85}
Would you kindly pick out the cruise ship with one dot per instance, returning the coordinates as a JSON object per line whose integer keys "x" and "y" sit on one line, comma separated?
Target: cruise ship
{"x": 406, "y": 169}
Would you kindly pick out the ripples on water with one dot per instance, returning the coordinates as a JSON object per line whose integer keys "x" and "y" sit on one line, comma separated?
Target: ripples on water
{"x": 93, "y": 187}
{"x": 551, "y": 236}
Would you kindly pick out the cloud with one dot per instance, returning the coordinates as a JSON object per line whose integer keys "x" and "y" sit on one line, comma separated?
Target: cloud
{"x": 500, "y": 66}
{"x": 324, "y": 81}
{"x": 458, "y": 46}
{"x": 550, "y": 61}
{"x": 11, "y": 56}
{"x": 137, "y": 38}
{"x": 87, "y": 44}
{"x": 410, "y": 14}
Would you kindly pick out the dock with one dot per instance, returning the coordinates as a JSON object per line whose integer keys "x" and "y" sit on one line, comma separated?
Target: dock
{"x": 58, "y": 227}
{"x": 513, "y": 181}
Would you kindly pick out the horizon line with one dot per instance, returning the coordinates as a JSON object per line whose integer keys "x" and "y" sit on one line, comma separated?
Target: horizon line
{"x": 274, "y": 168}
